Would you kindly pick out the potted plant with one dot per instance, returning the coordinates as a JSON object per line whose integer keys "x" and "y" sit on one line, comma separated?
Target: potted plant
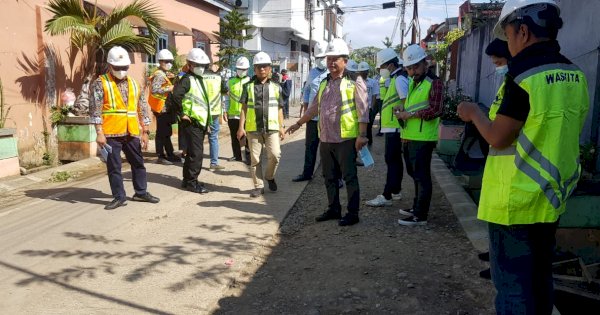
{"x": 451, "y": 126}
{"x": 9, "y": 154}
{"x": 76, "y": 134}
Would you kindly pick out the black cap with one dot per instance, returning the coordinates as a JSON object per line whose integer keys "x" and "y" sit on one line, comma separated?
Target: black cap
{"x": 283, "y": 71}
{"x": 498, "y": 48}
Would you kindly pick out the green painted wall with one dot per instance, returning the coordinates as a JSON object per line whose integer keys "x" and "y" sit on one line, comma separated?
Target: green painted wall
{"x": 8, "y": 147}
{"x": 76, "y": 133}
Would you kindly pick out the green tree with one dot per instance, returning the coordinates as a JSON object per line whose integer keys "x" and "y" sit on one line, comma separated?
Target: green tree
{"x": 387, "y": 42}
{"x": 439, "y": 51}
{"x": 368, "y": 54}
{"x": 233, "y": 32}
{"x": 93, "y": 33}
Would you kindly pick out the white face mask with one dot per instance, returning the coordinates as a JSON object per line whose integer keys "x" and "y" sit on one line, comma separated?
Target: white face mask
{"x": 199, "y": 70}
{"x": 321, "y": 63}
{"x": 502, "y": 70}
{"x": 119, "y": 74}
{"x": 168, "y": 66}
{"x": 241, "y": 72}
{"x": 385, "y": 73}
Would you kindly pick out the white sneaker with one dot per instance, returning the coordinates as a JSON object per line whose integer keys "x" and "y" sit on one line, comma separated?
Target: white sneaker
{"x": 379, "y": 201}
{"x": 397, "y": 196}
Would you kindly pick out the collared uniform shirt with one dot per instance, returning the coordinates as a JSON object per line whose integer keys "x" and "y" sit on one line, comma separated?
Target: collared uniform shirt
{"x": 372, "y": 90}
{"x": 97, "y": 101}
{"x": 315, "y": 76}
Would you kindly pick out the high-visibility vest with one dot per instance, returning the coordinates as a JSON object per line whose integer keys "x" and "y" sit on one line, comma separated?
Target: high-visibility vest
{"x": 118, "y": 118}
{"x": 272, "y": 111}
{"x": 195, "y": 102}
{"x": 348, "y": 113}
{"x": 212, "y": 82}
{"x": 157, "y": 100}
{"x": 416, "y": 128}
{"x": 529, "y": 182}
{"x": 391, "y": 100}
{"x": 496, "y": 103}
{"x": 382, "y": 88}
{"x": 236, "y": 86}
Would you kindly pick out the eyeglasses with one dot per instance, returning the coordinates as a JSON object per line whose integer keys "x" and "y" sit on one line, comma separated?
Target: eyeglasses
{"x": 121, "y": 68}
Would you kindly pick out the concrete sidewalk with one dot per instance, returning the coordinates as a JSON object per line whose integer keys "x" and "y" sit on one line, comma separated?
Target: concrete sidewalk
{"x": 61, "y": 253}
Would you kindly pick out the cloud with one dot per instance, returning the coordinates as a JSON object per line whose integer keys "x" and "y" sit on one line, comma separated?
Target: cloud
{"x": 380, "y": 20}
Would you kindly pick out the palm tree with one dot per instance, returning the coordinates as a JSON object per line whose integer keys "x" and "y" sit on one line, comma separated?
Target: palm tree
{"x": 93, "y": 33}
{"x": 387, "y": 42}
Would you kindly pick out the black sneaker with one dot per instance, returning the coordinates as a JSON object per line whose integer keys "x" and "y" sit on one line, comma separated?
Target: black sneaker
{"x": 145, "y": 198}
{"x": 412, "y": 221}
{"x": 484, "y": 256}
{"x": 163, "y": 161}
{"x": 115, "y": 203}
{"x": 348, "y": 219}
{"x": 328, "y": 215}
{"x": 301, "y": 178}
{"x": 196, "y": 188}
{"x": 272, "y": 184}
{"x": 486, "y": 274}
{"x": 175, "y": 159}
{"x": 407, "y": 212}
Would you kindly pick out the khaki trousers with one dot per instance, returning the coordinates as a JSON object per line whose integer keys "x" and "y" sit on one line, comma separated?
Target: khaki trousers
{"x": 257, "y": 141}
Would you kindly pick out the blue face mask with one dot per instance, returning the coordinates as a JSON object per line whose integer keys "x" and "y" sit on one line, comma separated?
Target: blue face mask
{"x": 502, "y": 70}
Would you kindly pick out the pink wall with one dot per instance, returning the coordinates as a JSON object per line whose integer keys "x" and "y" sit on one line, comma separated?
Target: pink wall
{"x": 21, "y": 25}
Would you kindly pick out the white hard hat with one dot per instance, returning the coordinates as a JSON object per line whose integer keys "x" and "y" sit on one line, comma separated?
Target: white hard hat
{"x": 197, "y": 55}
{"x": 337, "y": 47}
{"x": 242, "y": 63}
{"x": 413, "y": 54}
{"x": 512, "y": 6}
{"x": 261, "y": 58}
{"x": 319, "y": 49}
{"x": 352, "y": 66}
{"x": 363, "y": 66}
{"x": 164, "y": 54}
{"x": 386, "y": 55}
{"x": 118, "y": 56}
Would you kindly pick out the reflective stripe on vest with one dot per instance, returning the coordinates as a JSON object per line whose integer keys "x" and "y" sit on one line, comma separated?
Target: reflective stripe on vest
{"x": 348, "y": 114}
{"x": 391, "y": 100}
{"x": 418, "y": 98}
{"x": 212, "y": 82}
{"x": 118, "y": 118}
{"x": 236, "y": 86}
{"x": 272, "y": 112}
{"x": 532, "y": 185}
{"x": 382, "y": 88}
{"x": 496, "y": 104}
{"x": 194, "y": 102}
{"x": 157, "y": 100}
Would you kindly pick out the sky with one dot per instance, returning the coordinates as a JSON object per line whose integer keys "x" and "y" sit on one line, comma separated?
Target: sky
{"x": 369, "y": 28}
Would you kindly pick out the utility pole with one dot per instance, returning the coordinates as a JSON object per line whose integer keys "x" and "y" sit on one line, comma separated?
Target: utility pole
{"x": 310, "y": 21}
{"x": 402, "y": 25}
{"x": 413, "y": 38}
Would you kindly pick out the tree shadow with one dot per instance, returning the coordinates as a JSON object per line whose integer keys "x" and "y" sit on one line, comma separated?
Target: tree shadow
{"x": 70, "y": 195}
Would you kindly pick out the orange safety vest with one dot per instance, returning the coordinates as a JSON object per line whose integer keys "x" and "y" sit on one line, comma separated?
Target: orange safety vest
{"x": 119, "y": 119}
{"x": 157, "y": 101}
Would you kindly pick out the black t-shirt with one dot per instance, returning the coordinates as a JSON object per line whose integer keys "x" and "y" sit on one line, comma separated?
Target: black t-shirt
{"x": 261, "y": 101}
{"x": 516, "y": 100}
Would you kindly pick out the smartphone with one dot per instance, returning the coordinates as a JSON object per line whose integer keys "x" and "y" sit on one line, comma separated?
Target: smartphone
{"x": 243, "y": 141}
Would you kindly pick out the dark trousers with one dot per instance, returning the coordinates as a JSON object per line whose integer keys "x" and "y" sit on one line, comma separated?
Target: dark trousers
{"x": 395, "y": 167}
{"x": 311, "y": 145}
{"x": 132, "y": 148}
{"x": 193, "y": 137}
{"x": 164, "y": 146}
{"x": 417, "y": 156}
{"x": 338, "y": 160}
{"x": 286, "y": 107}
{"x": 372, "y": 113}
{"x": 181, "y": 137}
{"x": 379, "y": 104}
{"x": 234, "y": 124}
{"x": 521, "y": 266}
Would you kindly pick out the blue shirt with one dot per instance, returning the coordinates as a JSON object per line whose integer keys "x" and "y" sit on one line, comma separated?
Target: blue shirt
{"x": 315, "y": 76}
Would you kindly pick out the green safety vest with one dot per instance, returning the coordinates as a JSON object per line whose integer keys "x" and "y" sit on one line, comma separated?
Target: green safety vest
{"x": 497, "y": 101}
{"x": 391, "y": 100}
{"x": 236, "y": 86}
{"x": 272, "y": 112}
{"x": 529, "y": 182}
{"x": 195, "y": 102}
{"x": 212, "y": 82}
{"x": 348, "y": 114}
{"x": 418, "y": 98}
{"x": 382, "y": 88}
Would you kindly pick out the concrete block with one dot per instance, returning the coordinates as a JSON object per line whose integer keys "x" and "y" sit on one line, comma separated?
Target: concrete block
{"x": 9, "y": 167}
{"x": 75, "y": 151}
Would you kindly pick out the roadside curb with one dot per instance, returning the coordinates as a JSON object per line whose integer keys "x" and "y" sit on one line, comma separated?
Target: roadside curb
{"x": 462, "y": 205}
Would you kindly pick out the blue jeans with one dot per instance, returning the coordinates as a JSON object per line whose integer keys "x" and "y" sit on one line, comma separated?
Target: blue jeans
{"x": 521, "y": 266}
{"x": 213, "y": 140}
